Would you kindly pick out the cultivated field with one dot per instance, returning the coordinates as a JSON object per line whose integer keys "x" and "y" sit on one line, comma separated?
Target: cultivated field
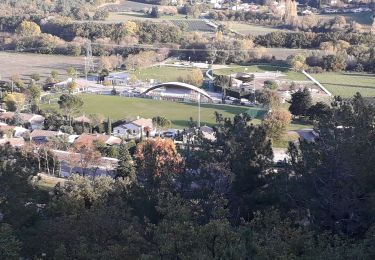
{"x": 118, "y": 108}
{"x": 347, "y": 84}
{"x": 25, "y": 64}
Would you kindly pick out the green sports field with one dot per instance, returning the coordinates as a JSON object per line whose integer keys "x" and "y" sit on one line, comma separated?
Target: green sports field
{"x": 161, "y": 73}
{"x": 347, "y": 84}
{"x": 289, "y": 74}
{"x": 118, "y": 108}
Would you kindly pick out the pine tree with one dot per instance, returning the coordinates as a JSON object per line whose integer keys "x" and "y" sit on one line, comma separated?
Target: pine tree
{"x": 301, "y": 102}
{"x": 109, "y": 126}
{"x": 125, "y": 167}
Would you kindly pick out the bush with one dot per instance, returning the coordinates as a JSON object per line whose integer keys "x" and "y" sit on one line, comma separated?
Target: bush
{"x": 315, "y": 69}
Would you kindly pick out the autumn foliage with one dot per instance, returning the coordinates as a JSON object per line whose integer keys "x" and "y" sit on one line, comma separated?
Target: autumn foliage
{"x": 157, "y": 157}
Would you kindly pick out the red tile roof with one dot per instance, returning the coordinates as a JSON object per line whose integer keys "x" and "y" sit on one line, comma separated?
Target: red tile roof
{"x": 89, "y": 139}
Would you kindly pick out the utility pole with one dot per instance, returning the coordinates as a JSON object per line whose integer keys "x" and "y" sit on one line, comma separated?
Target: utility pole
{"x": 199, "y": 110}
{"x": 255, "y": 100}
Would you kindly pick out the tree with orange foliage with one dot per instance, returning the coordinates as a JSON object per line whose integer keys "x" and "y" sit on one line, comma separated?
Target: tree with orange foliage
{"x": 86, "y": 157}
{"x": 158, "y": 160}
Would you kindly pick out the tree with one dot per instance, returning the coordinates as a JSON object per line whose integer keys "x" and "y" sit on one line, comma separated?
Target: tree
{"x": 28, "y": 29}
{"x": 71, "y": 72}
{"x": 15, "y": 101}
{"x": 101, "y": 14}
{"x": 318, "y": 111}
{"x": 246, "y": 151}
{"x": 70, "y": 104}
{"x": 72, "y": 86}
{"x": 88, "y": 157}
{"x": 109, "y": 126}
{"x": 195, "y": 78}
{"x": 334, "y": 62}
{"x": 10, "y": 246}
{"x": 131, "y": 27}
{"x": 125, "y": 168}
{"x": 270, "y": 84}
{"x": 155, "y": 13}
{"x": 301, "y": 102}
{"x": 157, "y": 161}
{"x": 161, "y": 122}
{"x": 55, "y": 75}
{"x": 269, "y": 98}
{"x": 333, "y": 176}
{"x": 297, "y": 61}
{"x": 17, "y": 81}
{"x": 35, "y": 77}
{"x": 276, "y": 123}
{"x": 35, "y": 92}
{"x": 96, "y": 120}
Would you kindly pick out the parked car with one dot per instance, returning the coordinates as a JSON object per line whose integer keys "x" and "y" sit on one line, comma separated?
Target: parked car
{"x": 170, "y": 133}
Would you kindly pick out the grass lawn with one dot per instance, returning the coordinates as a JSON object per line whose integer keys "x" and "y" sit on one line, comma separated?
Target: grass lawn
{"x": 285, "y": 139}
{"x": 291, "y": 75}
{"x": 118, "y": 108}
{"x": 162, "y": 73}
{"x": 347, "y": 84}
{"x": 47, "y": 182}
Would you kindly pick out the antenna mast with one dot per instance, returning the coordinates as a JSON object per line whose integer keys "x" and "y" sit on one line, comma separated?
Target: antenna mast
{"x": 89, "y": 61}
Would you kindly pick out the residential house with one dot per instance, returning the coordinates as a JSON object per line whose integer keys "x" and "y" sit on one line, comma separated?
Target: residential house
{"x": 70, "y": 163}
{"x": 136, "y": 128}
{"x": 90, "y": 139}
{"x": 82, "y": 119}
{"x": 10, "y": 131}
{"x": 30, "y": 121}
{"x": 43, "y": 136}
{"x": 82, "y": 85}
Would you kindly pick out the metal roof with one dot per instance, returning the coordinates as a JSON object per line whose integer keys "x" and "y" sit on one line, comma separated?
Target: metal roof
{"x": 179, "y": 84}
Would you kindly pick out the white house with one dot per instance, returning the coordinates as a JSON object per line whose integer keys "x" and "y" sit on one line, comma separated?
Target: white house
{"x": 9, "y": 131}
{"x": 119, "y": 78}
{"x": 137, "y": 128}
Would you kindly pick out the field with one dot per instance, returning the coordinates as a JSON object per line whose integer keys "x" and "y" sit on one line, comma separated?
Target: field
{"x": 162, "y": 73}
{"x": 347, "y": 84}
{"x": 126, "y": 5}
{"x": 194, "y": 25}
{"x": 364, "y": 18}
{"x": 250, "y": 29}
{"x": 118, "y": 108}
{"x": 289, "y": 74}
{"x": 25, "y": 64}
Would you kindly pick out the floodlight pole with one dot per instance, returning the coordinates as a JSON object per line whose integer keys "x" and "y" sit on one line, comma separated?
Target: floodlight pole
{"x": 199, "y": 110}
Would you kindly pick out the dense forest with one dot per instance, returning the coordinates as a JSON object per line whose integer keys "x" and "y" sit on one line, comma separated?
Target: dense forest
{"x": 219, "y": 199}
